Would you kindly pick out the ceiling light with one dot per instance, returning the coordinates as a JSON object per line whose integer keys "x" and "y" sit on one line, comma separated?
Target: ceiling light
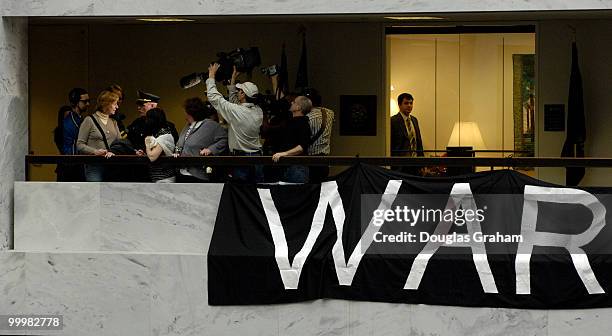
{"x": 413, "y": 18}
{"x": 166, "y": 20}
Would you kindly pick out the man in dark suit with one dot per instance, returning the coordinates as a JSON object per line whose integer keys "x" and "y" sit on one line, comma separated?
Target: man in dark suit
{"x": 405, "y": 133}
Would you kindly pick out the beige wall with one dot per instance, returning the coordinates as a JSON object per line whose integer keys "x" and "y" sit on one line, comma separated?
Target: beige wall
{"x": 58, "y": 62}
{"x": 343, "y": 58}
{"x": 594, "y": 40}
{"x": 412, "y": 69}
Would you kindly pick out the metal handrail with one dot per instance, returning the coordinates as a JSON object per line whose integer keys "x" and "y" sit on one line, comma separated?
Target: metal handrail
{"x": 328, "y": 161}
{"x": 502, "y": 151}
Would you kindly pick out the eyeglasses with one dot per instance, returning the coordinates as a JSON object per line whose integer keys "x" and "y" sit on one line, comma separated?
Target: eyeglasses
{"x": 85, "y": 101}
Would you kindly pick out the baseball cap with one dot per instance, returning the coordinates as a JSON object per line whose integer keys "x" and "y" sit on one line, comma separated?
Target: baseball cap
{"x": 248, "y": 88}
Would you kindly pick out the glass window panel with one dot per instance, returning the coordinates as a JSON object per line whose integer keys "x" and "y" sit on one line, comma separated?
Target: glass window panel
{"x": 481, "y": 90}
{"x": 447, "y": 88}
{"x": 462, "y": 80}
{"x": 413, "y": 69}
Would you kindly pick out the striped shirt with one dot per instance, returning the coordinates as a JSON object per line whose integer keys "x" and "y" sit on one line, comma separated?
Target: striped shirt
{"x": 315, "y": 118}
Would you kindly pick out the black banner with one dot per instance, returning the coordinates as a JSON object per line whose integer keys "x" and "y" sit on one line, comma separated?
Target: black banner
{"x": 495, "y": 239}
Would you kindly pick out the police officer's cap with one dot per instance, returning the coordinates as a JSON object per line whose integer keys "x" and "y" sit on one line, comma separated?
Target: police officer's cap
{"x": 145, "y": 97}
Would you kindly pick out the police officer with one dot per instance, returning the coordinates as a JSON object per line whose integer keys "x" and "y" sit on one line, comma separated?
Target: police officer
{"x": 136, "y": 130}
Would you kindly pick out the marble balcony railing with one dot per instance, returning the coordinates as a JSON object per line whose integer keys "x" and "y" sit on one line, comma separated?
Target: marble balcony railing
{"x": 130, "y": 259}
{"x": 127, "y": 217}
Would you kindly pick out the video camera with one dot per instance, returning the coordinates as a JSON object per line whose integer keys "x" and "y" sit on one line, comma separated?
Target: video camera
{"x": 245, "y": 59}
{"x": 274, "y": 108}
{"x": 271, "y": 70}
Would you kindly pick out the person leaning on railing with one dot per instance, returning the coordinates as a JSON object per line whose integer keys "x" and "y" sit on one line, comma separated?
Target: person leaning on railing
{"x": 97, "y": 132}
{"x": 202, "y": 136}
{"x": 321, "y": 122}
{"x": 158, "y": 142}
{"x": 296, "y": 137}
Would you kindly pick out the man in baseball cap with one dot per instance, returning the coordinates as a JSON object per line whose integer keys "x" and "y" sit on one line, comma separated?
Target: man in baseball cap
{"x": 248, "y": 88}
{"x": 244, "y": 118}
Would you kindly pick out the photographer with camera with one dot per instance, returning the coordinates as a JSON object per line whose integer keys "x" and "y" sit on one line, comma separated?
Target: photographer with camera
{"x": 244, "y": 118}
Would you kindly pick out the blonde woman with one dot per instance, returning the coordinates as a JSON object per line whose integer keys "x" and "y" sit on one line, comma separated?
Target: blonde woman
{"x": 97, "y": 132}
{"x": 118, "y": 116}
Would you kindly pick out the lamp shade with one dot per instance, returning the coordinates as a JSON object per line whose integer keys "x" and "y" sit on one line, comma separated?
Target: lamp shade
{"x": 393, "y": 107}
{"x": 466, "y": 133}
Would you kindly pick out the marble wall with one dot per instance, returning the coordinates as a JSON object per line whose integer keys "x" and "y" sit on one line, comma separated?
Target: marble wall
{"x": 130, "y": 217}
{"x": 239, "y": 7}
{"x": 13, "y": 116}
{"x": 120, "y": 282}
{"x": 165, "y": 294}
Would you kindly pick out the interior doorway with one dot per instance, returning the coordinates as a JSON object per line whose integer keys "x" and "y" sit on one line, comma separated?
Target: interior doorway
{"x": 472, "y": 86}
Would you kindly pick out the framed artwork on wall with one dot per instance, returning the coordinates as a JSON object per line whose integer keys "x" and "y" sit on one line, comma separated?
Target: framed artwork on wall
{"x": 358, "y": 115}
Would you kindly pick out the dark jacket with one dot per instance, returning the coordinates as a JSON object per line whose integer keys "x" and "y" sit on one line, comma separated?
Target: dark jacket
{"x": 399, "y": 136}
{"x": 137, "y": 129}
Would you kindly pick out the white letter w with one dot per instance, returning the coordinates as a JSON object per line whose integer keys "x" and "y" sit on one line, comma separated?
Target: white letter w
{"x": 290, "y": 273}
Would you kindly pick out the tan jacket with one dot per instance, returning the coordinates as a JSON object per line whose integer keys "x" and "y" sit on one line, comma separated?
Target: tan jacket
{"x": 90, "y": 139}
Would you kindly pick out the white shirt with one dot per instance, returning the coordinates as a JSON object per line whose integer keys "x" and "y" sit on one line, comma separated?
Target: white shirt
{"x": 244, "y": 120}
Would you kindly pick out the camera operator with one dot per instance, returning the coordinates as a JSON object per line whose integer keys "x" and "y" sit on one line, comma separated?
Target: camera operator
{"x": 244, "y": 118}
